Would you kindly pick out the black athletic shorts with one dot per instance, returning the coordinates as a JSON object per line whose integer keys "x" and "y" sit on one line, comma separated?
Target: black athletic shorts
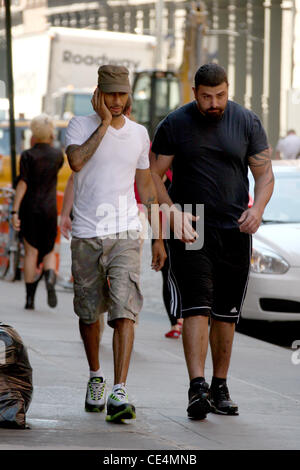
{"x": 211, "y": 281}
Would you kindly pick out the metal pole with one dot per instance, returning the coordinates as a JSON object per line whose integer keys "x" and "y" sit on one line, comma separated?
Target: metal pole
{"x": 10, "y": 86}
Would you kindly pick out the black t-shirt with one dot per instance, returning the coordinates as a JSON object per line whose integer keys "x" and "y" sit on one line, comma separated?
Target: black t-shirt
{"x": 39, "y": 167}
{"x": 210, "y": 162}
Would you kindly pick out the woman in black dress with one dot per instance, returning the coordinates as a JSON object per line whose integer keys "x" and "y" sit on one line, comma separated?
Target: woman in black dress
{"x": 34, "y": 209}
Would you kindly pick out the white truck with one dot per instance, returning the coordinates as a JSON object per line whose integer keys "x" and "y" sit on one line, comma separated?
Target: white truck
{"x": 55, "y": 71}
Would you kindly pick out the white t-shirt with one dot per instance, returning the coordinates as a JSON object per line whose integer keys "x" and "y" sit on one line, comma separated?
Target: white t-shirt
{"x": 289, "y": 146}
{"x": 104, "y": 200}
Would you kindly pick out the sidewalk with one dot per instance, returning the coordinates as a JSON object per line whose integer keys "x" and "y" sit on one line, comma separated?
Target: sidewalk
{"x": 263, "y": 381}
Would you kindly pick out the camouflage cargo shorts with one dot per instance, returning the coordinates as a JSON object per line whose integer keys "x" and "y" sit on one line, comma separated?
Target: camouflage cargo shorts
{"x": 106, "y": 274}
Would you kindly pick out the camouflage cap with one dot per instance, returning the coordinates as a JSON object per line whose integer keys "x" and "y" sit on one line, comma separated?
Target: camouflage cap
{"x": 113, "y": 79}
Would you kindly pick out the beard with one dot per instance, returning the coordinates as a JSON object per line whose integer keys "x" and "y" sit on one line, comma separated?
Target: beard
{"x": 213, "y": 114}
{"x": 116, "y": 114}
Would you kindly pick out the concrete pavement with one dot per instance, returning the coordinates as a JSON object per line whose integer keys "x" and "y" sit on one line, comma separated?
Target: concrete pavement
{"x": 262, "y": 380}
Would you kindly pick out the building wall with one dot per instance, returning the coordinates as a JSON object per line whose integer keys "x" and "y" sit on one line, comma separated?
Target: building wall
{"x": 257, "y": 41}
{"x": 245, "y": 36}
{"x": 296, "y": 68}
{"x": 293, "y": 95}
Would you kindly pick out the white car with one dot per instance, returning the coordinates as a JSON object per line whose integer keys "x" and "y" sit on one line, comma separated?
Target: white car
{"x": 274, "y": 283}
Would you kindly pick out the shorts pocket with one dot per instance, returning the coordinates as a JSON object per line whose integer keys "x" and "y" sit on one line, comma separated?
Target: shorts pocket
{"x": 135, "y": 298}
{"x": 85, "y": 303}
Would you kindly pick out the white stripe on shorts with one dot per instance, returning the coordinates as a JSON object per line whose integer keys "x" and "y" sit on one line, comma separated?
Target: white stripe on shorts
{"x": 193, "y": 308}
{"x": 247, "y": 282}
{"x": 173, "y": 287}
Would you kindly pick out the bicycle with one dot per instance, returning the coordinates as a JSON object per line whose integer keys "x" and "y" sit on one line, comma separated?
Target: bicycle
{"x": 10, "y": 250}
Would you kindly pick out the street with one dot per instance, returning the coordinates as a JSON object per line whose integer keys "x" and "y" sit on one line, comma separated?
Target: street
{"x": 263, "y": 381}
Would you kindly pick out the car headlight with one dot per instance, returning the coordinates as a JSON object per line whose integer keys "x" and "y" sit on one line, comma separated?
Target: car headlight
{"x": 265, "y": 261}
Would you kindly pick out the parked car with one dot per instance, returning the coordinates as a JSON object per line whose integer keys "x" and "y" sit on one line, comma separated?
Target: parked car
{"x": 274, "y": 282}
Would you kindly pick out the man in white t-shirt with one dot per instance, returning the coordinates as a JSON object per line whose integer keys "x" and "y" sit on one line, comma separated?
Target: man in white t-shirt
{"x": 288, "y": 148}
{"x": 107, "y": 152}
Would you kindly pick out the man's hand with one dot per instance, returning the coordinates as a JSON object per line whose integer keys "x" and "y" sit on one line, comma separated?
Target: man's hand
{"x": 100, "y": 107}
{"x": 65, "y": 225}
{"x": 159, "y": 255}
{"x": 250, "y": 220}
{"x": 16, "y": 222}
{"x": 180, "y": 223}
{"x": 79, "y": 155}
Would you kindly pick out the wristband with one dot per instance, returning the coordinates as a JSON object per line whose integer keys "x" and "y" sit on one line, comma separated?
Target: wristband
{"x": 13, "y": 212}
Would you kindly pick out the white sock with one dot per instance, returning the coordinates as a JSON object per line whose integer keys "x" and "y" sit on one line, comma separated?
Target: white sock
{"x": 115, "y": 387}
{"x": 96, "y": 373}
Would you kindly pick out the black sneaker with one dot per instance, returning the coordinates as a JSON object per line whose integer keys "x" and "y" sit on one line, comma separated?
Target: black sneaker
{"x": 199, "y": 404}
{"x": 221, "y": 402}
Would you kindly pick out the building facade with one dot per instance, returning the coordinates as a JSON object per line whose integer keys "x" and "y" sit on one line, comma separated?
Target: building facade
{"x": 257, "y": 41}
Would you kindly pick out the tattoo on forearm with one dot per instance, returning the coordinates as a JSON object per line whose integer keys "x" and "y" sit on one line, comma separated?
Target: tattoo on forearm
{"x": 88, "y": 147}
{"x": 78, "y": 155}
{"x": 151, "y": 200}
{"x": 271, "y": 180}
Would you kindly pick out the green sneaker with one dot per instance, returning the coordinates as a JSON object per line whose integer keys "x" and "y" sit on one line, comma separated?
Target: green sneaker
{"x": 95, "y": 394}
{"x": 118, "y": 407}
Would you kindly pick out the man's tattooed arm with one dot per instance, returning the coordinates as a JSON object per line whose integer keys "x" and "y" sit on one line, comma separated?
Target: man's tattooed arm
{"x": 79, "y": 155}
{"x": 147, "y": 193}
{"x": 148, "y": 196}
{"x": 261, "y": 168}
{"x": 148, "y": 204}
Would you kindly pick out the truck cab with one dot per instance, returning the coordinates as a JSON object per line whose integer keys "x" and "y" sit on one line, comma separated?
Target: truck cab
{"x": 67, "y": 103}
{"x": 155, "y": 94}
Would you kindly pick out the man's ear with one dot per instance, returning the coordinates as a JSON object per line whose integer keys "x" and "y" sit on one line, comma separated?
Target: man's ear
{"x": 194, "y": 91}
